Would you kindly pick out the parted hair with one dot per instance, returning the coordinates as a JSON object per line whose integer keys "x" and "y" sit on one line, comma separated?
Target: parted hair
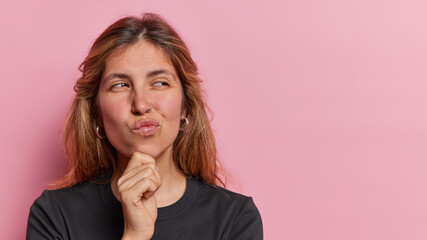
{"x": 194, "y": 149}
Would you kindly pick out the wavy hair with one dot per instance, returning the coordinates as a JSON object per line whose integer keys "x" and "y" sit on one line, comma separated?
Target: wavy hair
{"x": 194, "y": 149}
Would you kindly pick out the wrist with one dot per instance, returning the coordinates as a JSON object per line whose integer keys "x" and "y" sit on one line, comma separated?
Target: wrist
{"x": 129, "y": 236}
{"x": 133, "y": 238}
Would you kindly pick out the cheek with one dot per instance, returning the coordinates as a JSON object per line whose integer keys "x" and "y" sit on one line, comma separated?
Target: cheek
{"x": 171, "y": 107}
{"x": 113, "y": 112}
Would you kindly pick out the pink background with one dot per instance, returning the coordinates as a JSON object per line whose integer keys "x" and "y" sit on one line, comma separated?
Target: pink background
{"x": 320, "y": 105}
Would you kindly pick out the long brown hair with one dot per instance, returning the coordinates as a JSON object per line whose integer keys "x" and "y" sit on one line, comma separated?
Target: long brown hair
{"x": 194, "y": 149}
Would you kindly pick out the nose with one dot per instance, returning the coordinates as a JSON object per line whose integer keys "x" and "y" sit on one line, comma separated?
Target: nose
{"x": 140, "y": 103}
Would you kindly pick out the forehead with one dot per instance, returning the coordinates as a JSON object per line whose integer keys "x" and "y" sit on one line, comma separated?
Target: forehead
{"x": 141, "y": 56}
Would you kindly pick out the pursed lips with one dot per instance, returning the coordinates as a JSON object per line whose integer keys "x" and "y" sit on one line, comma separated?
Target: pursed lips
{"x": 146, "y": 126}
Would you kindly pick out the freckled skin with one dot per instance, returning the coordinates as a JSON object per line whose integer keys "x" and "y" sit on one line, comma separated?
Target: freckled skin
{"x": 124, "y": 101}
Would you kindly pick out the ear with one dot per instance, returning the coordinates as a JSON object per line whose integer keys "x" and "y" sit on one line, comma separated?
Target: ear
{"x": 184, "y": 110}
{"x": 183, "y": 113}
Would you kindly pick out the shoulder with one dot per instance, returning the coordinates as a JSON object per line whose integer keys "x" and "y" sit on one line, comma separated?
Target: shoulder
{"x": 55, "y": 211}
{"x": 238, "y": 211}
{"x": 78, "y": 193}
{"x": 46, "y": 214}
{"x": 217, "y": 193}
{"x": 70, "y": 200}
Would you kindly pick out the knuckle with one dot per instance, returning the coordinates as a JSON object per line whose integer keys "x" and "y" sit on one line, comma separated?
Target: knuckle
{"x": 146, "y": 181}
{"x": 150, "y": 170}
{"x": 121, "y": 189}
{"x": 124, "y": 196}
{"x": 151, "y": 165}
{"x": 120, "y": 181}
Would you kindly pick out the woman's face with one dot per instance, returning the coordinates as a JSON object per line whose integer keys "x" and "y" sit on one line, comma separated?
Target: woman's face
{"x": 140, "y": 99}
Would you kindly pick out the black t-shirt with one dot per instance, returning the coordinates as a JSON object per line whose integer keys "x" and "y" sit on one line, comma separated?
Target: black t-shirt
{"x": 91, "y": 211}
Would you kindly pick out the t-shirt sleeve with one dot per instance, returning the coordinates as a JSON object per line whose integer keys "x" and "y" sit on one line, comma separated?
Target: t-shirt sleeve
{"x": 248, "y": 223}
{"x": 43, "y": 222}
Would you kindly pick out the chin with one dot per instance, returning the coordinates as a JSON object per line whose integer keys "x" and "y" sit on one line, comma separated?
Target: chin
{"x": 153, "y": 150}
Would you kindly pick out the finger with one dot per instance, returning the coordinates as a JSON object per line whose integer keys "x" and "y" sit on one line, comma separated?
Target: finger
{"x": 143, "y": 188}
{"x": 152, "y": 188}
{"x": 139, "y": 158}
{"x": 133, "y": 172}
{"x": 143, "y": 173}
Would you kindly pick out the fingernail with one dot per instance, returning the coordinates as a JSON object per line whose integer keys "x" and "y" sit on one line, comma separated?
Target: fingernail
{"x": 157, "y": 168}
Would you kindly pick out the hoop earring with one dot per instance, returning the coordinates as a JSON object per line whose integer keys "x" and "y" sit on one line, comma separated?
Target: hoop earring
{"x": 185, "y": 119}
{"x": 99, "y": 135}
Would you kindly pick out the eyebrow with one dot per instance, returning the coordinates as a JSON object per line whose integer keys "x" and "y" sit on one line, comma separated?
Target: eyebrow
{"x": 116, "y": 75}
{"x": 150, "y": 74}
{"x": 159, "y": 72}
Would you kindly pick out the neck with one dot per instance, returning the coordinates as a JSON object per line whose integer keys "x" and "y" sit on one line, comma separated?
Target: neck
{"x": 173, "y": 181}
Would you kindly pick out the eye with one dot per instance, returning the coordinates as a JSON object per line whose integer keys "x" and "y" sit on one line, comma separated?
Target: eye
{"x": 160, "y": 84}
{"x": 119, "y": 85}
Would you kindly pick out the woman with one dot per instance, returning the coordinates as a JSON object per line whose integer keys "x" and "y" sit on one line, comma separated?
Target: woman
{"x": 142, "y": 152}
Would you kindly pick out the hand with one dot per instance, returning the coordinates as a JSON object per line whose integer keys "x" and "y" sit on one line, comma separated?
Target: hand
{"x": 136, "y": 187}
